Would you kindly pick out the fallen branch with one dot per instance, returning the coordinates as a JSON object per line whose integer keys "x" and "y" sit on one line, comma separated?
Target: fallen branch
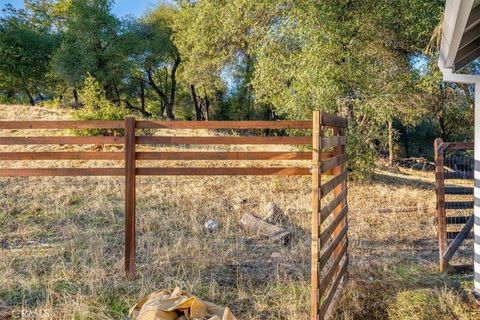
{"x": 261, "y": 228}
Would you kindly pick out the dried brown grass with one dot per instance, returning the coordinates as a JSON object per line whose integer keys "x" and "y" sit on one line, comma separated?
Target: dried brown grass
{"x": 61, "y": 244}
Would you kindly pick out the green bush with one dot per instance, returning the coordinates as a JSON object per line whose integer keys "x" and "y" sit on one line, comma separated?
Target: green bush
{"x": 97, "y": 107}
{"x": 361, "y": 156}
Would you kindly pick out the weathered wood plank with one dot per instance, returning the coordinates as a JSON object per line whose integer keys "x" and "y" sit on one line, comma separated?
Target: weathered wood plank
{"x": 332, "y": 184}
{"x": 460, "y": 146}
{"x": 335, "y": 141}
{"x": 224, "y": 140}
{"x": 224, "y": 155}
{"x": 332, "y": 163}
{"x": 331, "y": 120}
{"x": 60, "y": 140}
{"x": 328, "y": 209}
{"x": 224, "y": 124}
{"x": 259, "y": 227}
{"x": 224, "y": 171}
{"x": 62, "y": 124}
{"x": 61, "y": 172}
{"x": 328, "y": 231}
{"x": 329, "y": 302}
{"x": 61, "y": 156}
{"x": 327, "y": 253}
{"x": 329, "y": 275}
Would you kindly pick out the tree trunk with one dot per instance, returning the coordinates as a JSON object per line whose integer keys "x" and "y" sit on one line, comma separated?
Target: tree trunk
{"x": 443, "y": 129}
{"x": 117, "y": 93}
{"x": 170, "y": 116}
{"x": 142, "y": 95}
{"x": 198, "y": 114}
{"x": 391, "y": 157}
{"x": 162, "y": 108}
{"x": 173, "y": 89}
{"x": 196, "y": 104}
{"x": 75, "y": 96}
{"x": 206, "y": 112}
{"x": 167, "y": 94}
{"x": 30, "y": 98}
{"x": 110, "y": 92}
{"x": 201, "y": 105}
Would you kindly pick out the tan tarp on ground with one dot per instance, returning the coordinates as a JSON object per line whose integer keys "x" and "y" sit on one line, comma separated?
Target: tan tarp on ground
{"x": 177, "y": 305}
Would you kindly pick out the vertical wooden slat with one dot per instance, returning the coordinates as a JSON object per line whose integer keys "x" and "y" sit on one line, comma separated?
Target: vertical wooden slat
{"x": 316, "y": 149}
{"x": 337, "y": 191}
{"x": 440, "y": 192}
{"x": 130, "y": 197}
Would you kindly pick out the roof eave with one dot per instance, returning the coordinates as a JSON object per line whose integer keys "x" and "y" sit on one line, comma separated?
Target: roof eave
{"x": 455, "y": 21}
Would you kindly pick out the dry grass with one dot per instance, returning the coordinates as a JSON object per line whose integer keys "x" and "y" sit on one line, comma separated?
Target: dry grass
{"x": 61, "y": 245}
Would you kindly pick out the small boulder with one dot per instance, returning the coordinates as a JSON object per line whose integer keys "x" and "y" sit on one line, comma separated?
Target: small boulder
{"x": 212, "y": 225}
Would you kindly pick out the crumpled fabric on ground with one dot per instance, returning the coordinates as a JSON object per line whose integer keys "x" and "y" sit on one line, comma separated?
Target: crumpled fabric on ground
{"x": 177, "y": 305}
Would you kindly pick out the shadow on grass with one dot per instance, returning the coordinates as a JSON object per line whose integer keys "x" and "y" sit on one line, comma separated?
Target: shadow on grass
{"x": 406, "y": 290}
{"x": 397, "y": 181}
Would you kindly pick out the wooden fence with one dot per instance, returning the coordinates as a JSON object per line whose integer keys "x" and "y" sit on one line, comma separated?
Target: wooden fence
{"x": 329, "y": 215}
{"x": 454, "y": 179}
{"x": 328, "y": 139}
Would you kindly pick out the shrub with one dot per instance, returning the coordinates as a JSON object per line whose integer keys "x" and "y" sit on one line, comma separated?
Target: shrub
{"x": 361, "y": 156}
{"x": 97, "y": 107}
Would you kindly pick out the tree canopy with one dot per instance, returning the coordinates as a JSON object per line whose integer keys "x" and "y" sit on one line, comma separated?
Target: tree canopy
{"x": 244, "y": 59}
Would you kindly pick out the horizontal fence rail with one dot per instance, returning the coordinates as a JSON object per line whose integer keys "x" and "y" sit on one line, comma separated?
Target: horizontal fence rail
{"x": 453, "y": 167}
{"x": 324, "y": 138}
{"x": 223, "y": 140}
{"x": 62, "y": 124}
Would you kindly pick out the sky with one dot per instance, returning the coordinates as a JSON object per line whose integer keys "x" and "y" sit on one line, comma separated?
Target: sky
{"x": 121, "y": 8}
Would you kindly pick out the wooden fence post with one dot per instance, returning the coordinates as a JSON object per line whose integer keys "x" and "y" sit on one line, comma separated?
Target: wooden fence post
{"x": 440, "y": 192}
{"x": 339, "y": 150}
{"x": 130, "y": 230}
{"x": 316, "y": 180}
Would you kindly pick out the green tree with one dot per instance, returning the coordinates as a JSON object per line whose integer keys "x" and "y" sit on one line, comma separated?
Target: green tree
{"x": 97, "y": 107}
{"x": 154, "y": 57}
{"x": 25, "y": 52}
{"x": 90, "y": 44}
{"x": 346, "y": 57}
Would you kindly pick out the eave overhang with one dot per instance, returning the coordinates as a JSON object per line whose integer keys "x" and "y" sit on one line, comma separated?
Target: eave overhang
{"x": 461, "y": 34}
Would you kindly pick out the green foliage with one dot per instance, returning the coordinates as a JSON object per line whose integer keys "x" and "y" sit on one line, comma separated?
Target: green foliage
{"x": 90, "y": 44}
{"x": 97, "y": 107}
{"x": 244, "y": 60}
{"x": 25, "y": 51}
{"x": 361, "y": 155}
{"x": 293, "y": 57}
{"x": 154, "y": 58}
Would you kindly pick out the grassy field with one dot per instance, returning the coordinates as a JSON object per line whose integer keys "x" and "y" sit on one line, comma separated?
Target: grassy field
{"x": 61, "y": 245}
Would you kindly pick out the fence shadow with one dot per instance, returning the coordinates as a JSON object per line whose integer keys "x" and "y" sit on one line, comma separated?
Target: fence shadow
{"x": 396, "y": 181}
